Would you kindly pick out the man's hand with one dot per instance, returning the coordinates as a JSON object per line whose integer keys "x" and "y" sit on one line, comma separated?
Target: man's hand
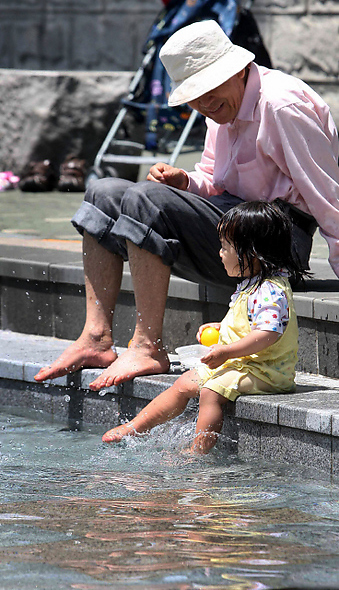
{"x": 166, "y": 174}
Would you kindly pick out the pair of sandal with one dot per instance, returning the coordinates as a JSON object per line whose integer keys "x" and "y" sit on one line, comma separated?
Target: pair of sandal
{"x": 44, "y": 176}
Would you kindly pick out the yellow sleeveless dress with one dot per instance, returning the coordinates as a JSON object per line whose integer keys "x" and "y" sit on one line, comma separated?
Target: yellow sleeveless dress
{"x": 272, "y": 370}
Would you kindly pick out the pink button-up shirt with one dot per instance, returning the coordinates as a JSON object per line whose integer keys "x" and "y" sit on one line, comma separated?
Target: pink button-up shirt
{"x": 282, "y": 144}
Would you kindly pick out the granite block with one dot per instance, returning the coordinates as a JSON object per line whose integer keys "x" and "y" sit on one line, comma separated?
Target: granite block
{"x": 99, "y": 411}
{"x": 327, "y": 308}
{"x": 316, "y": 420}
{"x": 249, "y": 434}
{"x": 311, "y": 411}
{"x": 328, "y": 348}
{"x": 304, "y": 448}
{"x": 26, "y": 307}
{"x": 182, "y": 289}
{"x": 89, "y": 375}
{"x": 24, "y": 269}
{"x": 181, "y": 322}
{"x": 69, "y": 307}
{"x": 229, "y": 434}
{"x": 11, "y": 369}
{"x": 335, "y": 456}
{"x": 149, "y": 387}
{"x": 308, "y": 346}
{"x": 17, "y": 394}
{"x": 258, "y": 408}
{"x": 31, "y": 369}
{"x": 124, "y": 319}
{"x": 324, "y": 7}
{"x": 67, "y": 273}
{"x": 220, "y": 295}
{"x": 335, "y": 424}
{"x": 129, "y": 407}
{"x": 280, "y": 6}
{"x": 303, "y": 305}
{"x": 67, "y": 404}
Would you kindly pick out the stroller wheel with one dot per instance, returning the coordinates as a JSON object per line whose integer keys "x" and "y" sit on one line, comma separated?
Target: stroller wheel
{"x": 94, "y": 173}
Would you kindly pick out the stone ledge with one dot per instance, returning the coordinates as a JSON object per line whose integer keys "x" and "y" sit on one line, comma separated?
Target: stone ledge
{"x": 314, "y": 407}
{"x": 299, "y": 428}
{"x": 319, "y": 301}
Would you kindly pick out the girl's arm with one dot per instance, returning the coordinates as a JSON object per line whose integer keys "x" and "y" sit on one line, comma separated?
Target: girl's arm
{"x": 254, "y": 342}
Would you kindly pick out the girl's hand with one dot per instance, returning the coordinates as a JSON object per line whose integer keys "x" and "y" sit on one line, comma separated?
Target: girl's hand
{"x": 215, "y": 325}
{"x": 166, "y": 174}
{"x": 216, "y": 356}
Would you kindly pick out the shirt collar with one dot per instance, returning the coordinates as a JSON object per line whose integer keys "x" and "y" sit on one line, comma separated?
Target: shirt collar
{"x": 251, "y": 95}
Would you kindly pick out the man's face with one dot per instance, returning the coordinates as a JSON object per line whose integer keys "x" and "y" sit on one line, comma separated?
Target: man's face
{"x": 222, "y": 104}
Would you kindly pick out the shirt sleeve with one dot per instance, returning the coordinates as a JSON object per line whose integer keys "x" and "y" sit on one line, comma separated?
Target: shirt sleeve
{"x": 310, "y": 153}
{"x": 268, "y": 308}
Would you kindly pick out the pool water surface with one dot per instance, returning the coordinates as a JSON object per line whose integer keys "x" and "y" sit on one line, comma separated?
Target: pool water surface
{"x": 144, "y": 514}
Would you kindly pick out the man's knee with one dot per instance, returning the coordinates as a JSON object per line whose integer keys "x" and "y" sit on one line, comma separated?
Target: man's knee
{"x": 105, "y": 194}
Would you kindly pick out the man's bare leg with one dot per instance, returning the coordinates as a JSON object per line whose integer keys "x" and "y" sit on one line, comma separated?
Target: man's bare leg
{"x": 167, "y": 405}
{"x": 103, "y": 273}
{"x": 146, "y": 354}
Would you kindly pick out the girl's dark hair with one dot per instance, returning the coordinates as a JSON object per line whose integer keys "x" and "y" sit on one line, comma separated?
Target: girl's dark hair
{"x": 261, "y": 231}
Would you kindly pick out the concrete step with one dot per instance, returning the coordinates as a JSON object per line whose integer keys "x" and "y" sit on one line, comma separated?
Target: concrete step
{"x": 42, "y": 293}
{"x": 299, "y": 428}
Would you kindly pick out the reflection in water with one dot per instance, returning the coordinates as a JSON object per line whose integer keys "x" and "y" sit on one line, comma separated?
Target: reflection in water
{"x": 145, "y": 515}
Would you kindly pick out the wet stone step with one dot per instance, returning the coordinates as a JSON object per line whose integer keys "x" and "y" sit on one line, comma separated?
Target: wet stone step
{"x": 301, "y": 427}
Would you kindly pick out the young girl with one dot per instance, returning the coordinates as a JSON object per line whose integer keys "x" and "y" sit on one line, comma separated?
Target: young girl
{"x": 258, "y": 338}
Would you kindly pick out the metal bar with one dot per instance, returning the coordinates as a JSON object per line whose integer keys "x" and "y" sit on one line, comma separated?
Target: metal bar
{"x": 133, "y": 159}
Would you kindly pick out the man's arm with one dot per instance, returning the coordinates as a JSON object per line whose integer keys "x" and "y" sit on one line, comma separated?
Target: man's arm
{"x": 310, "y": 150}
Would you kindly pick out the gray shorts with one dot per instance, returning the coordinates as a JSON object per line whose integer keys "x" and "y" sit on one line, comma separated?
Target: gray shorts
{"x": 178, "y": 226}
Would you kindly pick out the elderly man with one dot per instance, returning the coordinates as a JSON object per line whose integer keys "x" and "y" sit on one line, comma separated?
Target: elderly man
{"x": 269, "y": 136}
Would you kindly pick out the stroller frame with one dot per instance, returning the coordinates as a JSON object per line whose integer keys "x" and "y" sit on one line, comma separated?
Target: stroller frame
{"x": 103, "y": 157}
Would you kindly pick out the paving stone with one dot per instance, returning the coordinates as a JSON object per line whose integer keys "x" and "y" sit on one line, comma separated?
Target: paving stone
{"x": 335, "y": 456}
{"x": 149, "y": 387}
{"x": 25, "y": 307}
{"x": 31, "y": 369}
{"x": 12, "y": 370}
{"x": 249, "y": 436}
{"x": 299, "y": 427}
{"x": 99, "y": 411}
{"x": 257, "y": 408}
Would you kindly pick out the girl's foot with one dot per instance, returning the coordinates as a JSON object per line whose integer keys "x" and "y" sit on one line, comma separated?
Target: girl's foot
{"x": 119, "y": 432}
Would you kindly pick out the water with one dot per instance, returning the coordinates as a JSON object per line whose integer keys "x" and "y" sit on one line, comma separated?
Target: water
{"x": 77, "y": 514}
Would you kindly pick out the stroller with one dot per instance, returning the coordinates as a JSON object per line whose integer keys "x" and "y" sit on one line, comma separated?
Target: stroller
{"x": 166, "y": 130}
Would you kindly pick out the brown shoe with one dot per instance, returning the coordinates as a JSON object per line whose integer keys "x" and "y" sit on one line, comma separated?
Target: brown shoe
{"x": 38, "y": 177}
{"x": 72, "y": 175}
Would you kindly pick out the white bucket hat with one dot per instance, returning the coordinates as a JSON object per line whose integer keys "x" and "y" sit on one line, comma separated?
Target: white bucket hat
{"x": 200, "y": 57}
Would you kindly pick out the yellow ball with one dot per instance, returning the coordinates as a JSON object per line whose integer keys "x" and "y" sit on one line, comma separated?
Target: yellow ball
{"x": 209, "y": 336}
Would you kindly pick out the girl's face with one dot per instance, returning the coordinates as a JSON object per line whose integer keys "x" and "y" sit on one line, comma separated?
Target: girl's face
{"x": 229, "y": 258}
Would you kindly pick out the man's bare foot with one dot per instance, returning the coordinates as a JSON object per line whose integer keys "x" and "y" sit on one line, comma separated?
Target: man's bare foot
{"x": 119, "y": 432}
{"x": 135, "y": 361}
{"x": 84, "y": 352}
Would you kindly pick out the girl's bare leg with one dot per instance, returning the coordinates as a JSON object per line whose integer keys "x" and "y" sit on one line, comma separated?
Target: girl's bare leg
{"x": 210, "y": 420}
{"x": 146, "y": 354}
{"x": 167, "y": 405}
{"x": 103, "y": 273}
